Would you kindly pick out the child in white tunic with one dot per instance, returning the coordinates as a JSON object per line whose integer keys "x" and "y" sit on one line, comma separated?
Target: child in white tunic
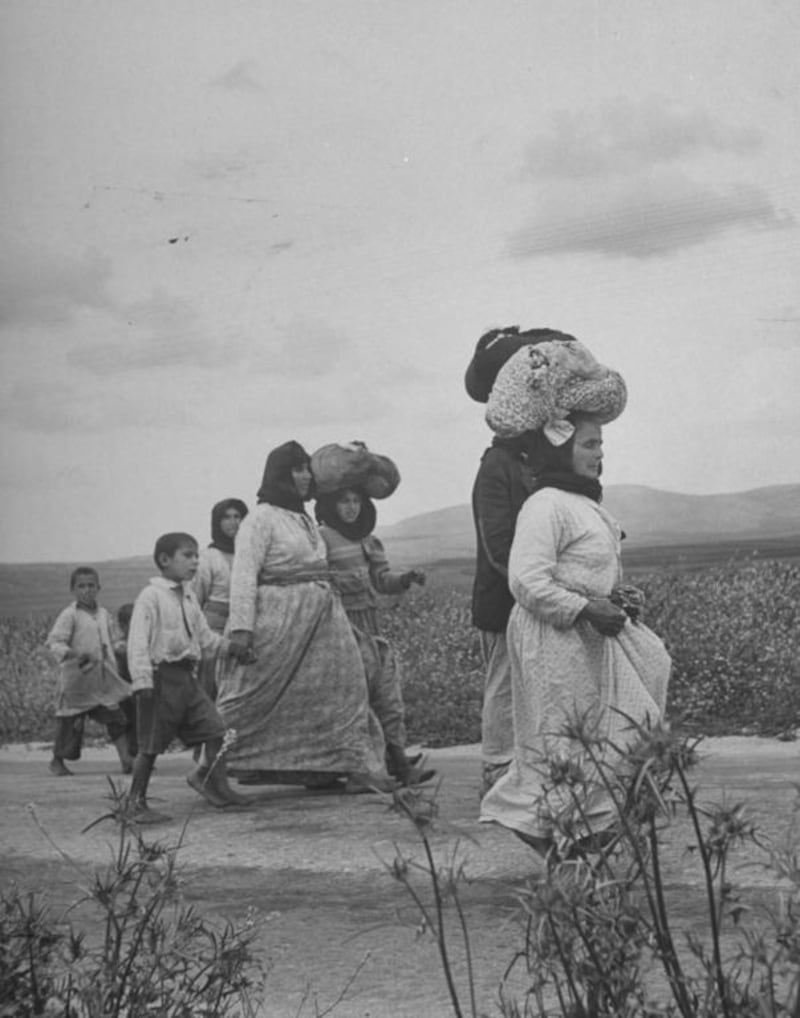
{"x": 83, "y": 640}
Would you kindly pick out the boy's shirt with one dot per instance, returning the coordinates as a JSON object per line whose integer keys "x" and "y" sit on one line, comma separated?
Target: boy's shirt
{"x": 167, "y": 625}
{"x": 78, "y": 631}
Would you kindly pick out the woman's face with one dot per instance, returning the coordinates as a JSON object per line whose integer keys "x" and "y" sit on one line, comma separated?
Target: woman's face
{"x": 229, "y": 524}
{"x": 348, "y": 506}
{"x": 587, "y": 450}
{"x": 302, "y": 479}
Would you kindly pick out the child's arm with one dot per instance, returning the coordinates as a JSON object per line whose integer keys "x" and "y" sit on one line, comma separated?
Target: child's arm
{"x": 145, "y": 614}
{"x": 211, "y": 643}
{"x": 59, "y": 639}
{"x": 381, "y": 576}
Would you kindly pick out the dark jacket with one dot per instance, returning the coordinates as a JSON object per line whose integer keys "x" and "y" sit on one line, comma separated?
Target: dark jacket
{"x": 502, "y": 484}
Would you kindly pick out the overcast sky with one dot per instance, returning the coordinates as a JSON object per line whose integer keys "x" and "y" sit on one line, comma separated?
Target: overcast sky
{"x": 230, "y": 224}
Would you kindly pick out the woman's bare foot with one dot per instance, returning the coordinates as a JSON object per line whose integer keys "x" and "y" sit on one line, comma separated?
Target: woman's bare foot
{"x": 198, "y": 781}
{"x": 58, "y": 767}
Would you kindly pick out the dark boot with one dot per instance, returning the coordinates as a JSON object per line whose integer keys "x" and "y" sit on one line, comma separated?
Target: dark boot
{"x": 401, "y": 768}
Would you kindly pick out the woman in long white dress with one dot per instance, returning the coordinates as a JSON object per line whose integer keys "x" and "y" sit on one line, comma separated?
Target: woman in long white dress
{"x": 300, "y": 709}
{"x": 574, "y": 653}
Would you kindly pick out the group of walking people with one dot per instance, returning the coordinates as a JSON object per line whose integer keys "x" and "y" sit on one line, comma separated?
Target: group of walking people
{"x": 263, "y": 651}
{"x": 265, "y": 643}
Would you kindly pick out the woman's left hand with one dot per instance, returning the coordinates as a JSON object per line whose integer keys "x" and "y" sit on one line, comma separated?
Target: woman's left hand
{"x": 604, "y": 616}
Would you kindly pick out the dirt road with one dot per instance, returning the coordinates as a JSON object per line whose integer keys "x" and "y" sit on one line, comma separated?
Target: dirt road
{"x": 314, "y": 866}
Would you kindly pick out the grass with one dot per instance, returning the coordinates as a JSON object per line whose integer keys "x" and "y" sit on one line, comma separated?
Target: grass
{"x": 733, "y": 631}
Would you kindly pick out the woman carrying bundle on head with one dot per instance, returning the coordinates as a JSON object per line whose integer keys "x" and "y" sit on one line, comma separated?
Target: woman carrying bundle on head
{"x": 361, "y": 572}
{"x": 581, "y": 665}
{"x": 299, "y": 706}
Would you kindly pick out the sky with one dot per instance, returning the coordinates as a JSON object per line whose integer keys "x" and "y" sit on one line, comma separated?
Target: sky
{"x": 229, "y": 224}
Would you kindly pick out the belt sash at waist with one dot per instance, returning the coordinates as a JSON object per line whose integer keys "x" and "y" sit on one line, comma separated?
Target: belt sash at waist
{"x": 288, "y": 579}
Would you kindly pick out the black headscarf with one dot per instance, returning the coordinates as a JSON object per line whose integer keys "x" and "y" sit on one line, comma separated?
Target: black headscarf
{"x": 551, "y": 465}
{"x": 218, "y": 539}
{"x": 361, "y": 527}
{"x": 277, "y": 484}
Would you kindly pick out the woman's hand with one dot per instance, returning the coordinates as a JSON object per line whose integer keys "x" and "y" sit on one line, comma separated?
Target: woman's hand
{"x": 413, "y": 576}
{"x": 604, "y": 616}
{"x": 240, "y": 646}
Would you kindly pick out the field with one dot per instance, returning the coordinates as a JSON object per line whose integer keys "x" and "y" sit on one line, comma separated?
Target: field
{"x": 733, "y": 630}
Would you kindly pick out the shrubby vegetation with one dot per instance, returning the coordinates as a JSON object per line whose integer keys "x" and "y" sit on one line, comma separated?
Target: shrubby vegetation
{"x": 733, "y": 632}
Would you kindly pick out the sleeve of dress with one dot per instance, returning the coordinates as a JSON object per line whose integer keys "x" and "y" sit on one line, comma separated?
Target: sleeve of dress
{"x": 59, "y": 639}
{"x": 201, "y": 584}
{"x": 381, "y": 576}
{"x": 540, "y": 534}
{"x": 143, "y": 619}
{"x": 495, "y": 517}
{"x": 252, "y": 541}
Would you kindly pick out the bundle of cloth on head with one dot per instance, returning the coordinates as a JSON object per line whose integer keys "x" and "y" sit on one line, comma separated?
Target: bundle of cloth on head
{"x": 494, "y": 348}
{"x": 352, "y": 465}
{"x": 539, "y": 386}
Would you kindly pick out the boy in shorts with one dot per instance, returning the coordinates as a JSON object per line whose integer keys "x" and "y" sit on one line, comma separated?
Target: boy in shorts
{"x": 168, "y": 637}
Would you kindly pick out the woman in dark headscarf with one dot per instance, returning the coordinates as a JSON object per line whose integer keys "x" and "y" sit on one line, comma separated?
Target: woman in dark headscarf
{"x": 300, "y": 708}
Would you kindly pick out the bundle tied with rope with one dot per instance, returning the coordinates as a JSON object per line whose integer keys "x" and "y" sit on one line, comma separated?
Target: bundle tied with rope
{"x": 353, "y": 465}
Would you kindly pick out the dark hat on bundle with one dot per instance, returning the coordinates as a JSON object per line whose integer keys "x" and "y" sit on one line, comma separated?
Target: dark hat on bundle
{"x": 352, "y": 465}
{"x": 494, "y": 348}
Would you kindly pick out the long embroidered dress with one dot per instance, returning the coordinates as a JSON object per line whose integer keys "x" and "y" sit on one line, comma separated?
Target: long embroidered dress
{"x": 302, "y": 706}
{"x": 566, "y": 549}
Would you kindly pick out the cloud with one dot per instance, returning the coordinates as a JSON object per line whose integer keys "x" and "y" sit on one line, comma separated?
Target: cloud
{"x": 39, "y": 285}
{"x": 640, "y": 217}
{"x": 57, "y": 407}
{"x": 238, "y": 79}
{"x": 627, "y": 136}
{"x": 304, "y": 348}
{"x": 164, "y": 332}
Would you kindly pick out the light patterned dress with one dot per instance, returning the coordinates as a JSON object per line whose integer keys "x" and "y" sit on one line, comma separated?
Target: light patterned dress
{"x": 302, "y": 706}
{"x": 567, "y": 549}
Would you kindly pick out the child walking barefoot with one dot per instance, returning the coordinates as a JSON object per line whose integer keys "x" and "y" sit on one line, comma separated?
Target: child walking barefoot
{"x": 83, "y": 640}
{"x": 360, "y": 569}
{"x": 168, "y": 637}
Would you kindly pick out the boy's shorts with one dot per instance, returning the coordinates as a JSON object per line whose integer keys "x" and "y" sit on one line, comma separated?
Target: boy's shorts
{"x": 179, "y": 708}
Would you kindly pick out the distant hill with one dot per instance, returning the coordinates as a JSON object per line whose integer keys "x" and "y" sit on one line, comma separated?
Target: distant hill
{"x": 648, "y": 516}
{"x": 662, "y": 528}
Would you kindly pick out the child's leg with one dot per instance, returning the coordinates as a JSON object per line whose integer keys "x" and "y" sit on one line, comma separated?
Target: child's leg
{"x": 138, "y": 810}
{"x": 116, "y": 723}
{"x": 67, "y": 743}
{"x": 386, "y": 700}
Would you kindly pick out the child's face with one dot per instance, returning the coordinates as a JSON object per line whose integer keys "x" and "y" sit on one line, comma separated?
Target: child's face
{"x": 182, "y": 565}
{"x": 348, "y": 506}
{"x": 229, "y": 524}
{"x": 85, "y": 591}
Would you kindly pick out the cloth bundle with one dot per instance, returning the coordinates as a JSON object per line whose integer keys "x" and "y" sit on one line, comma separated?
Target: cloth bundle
{"x": 352, "y": 465}
{"x": 542, "y": 384}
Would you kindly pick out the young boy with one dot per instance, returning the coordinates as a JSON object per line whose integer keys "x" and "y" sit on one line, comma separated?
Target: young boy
{"x": 83, "y": 640}
{"x": 168, "y": 636}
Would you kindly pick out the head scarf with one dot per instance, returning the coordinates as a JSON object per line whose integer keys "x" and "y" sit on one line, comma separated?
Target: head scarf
{"x": 218, "y": 538}
{"x": 277, "y": 484}
{"x": 361, "y": 527}
{"x": 552, "y": 465}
